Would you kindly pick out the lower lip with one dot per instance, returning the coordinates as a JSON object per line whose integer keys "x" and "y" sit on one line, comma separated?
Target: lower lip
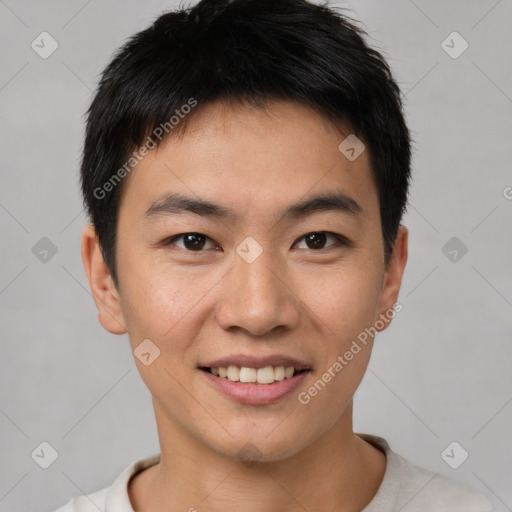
{"x": 252, "y": 393}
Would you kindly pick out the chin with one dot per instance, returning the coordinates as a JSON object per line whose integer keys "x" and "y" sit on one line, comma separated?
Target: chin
{"x": 251, "y": 448}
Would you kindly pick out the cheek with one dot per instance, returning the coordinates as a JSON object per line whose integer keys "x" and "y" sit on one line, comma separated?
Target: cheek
{"x": 158, "y": 302}
{"x": 345, "y": 300}
{"x": 343, "y": 306}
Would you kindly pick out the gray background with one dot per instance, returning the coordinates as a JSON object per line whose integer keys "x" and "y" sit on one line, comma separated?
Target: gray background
{"x": 440, "y": 373}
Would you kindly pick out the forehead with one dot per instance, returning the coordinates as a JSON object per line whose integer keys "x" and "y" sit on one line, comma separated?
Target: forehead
{"x": 253, "y": 160}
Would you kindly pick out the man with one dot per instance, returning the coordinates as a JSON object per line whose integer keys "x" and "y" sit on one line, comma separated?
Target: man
{"x": 246, "y": 168}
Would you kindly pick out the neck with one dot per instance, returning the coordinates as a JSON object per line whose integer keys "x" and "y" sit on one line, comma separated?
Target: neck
{"x": 338, "y": 471}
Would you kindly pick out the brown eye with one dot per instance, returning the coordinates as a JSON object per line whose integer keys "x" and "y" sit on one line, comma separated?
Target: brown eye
{"x": 192, "y": 241}
{"x": 317, "y": 240}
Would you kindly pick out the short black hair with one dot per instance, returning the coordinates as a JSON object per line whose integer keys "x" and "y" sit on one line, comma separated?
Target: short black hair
{"x": 248, "y": 51}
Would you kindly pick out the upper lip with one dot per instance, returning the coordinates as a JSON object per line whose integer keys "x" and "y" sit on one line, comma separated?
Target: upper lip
{"x": 243, "y": 360}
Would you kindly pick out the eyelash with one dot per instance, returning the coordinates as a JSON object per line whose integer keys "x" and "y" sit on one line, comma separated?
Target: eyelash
{"x": 341, "y": 241}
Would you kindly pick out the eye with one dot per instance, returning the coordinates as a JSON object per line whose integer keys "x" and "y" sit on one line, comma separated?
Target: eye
{"x": 197, "y": 242}
{"x": 192, "y": 242}
{"x": 316, "y": 240}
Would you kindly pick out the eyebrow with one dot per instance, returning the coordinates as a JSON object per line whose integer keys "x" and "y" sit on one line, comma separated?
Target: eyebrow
{"x": 176, "y": 204}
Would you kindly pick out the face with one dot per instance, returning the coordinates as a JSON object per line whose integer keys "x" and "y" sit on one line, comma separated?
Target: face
{"x": 228, "y": 256}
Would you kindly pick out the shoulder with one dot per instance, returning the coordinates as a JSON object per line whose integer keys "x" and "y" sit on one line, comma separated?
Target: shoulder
{"x": 411, "y": 488}
{"x": 90, "y": 503}
{"x": 428, "y": 491}
{"x": 112, "y": 498}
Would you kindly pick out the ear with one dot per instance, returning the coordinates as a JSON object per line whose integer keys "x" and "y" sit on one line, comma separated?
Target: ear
{"x": 393, "y": 275}
{"x": 102, "y": 286}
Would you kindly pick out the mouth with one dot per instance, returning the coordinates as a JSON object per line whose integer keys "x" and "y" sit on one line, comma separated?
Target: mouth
{"x": 251, "y": 379}
{"x": 249, "y": 375}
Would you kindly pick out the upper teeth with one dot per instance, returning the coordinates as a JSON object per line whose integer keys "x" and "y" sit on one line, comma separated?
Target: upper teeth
{"x": 265, "y": 375}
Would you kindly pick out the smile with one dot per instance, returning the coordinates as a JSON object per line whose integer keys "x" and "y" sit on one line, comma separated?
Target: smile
{"x": 248, "y": 389}
{"x": 266, "y": 375}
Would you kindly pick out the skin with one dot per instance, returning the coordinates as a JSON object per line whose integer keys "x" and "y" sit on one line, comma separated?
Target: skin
{"x": 296, "y": 300}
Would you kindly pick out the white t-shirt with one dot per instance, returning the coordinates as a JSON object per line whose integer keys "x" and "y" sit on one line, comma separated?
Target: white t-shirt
{"x": 404, "y": 488}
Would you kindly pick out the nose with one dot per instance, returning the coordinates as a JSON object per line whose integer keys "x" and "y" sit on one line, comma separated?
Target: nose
{"x": 256, "y": 298}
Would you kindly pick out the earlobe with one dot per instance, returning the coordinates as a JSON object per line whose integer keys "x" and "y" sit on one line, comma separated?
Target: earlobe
{"x": 102, "y": 287}
{"x": 394, "y": 274}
